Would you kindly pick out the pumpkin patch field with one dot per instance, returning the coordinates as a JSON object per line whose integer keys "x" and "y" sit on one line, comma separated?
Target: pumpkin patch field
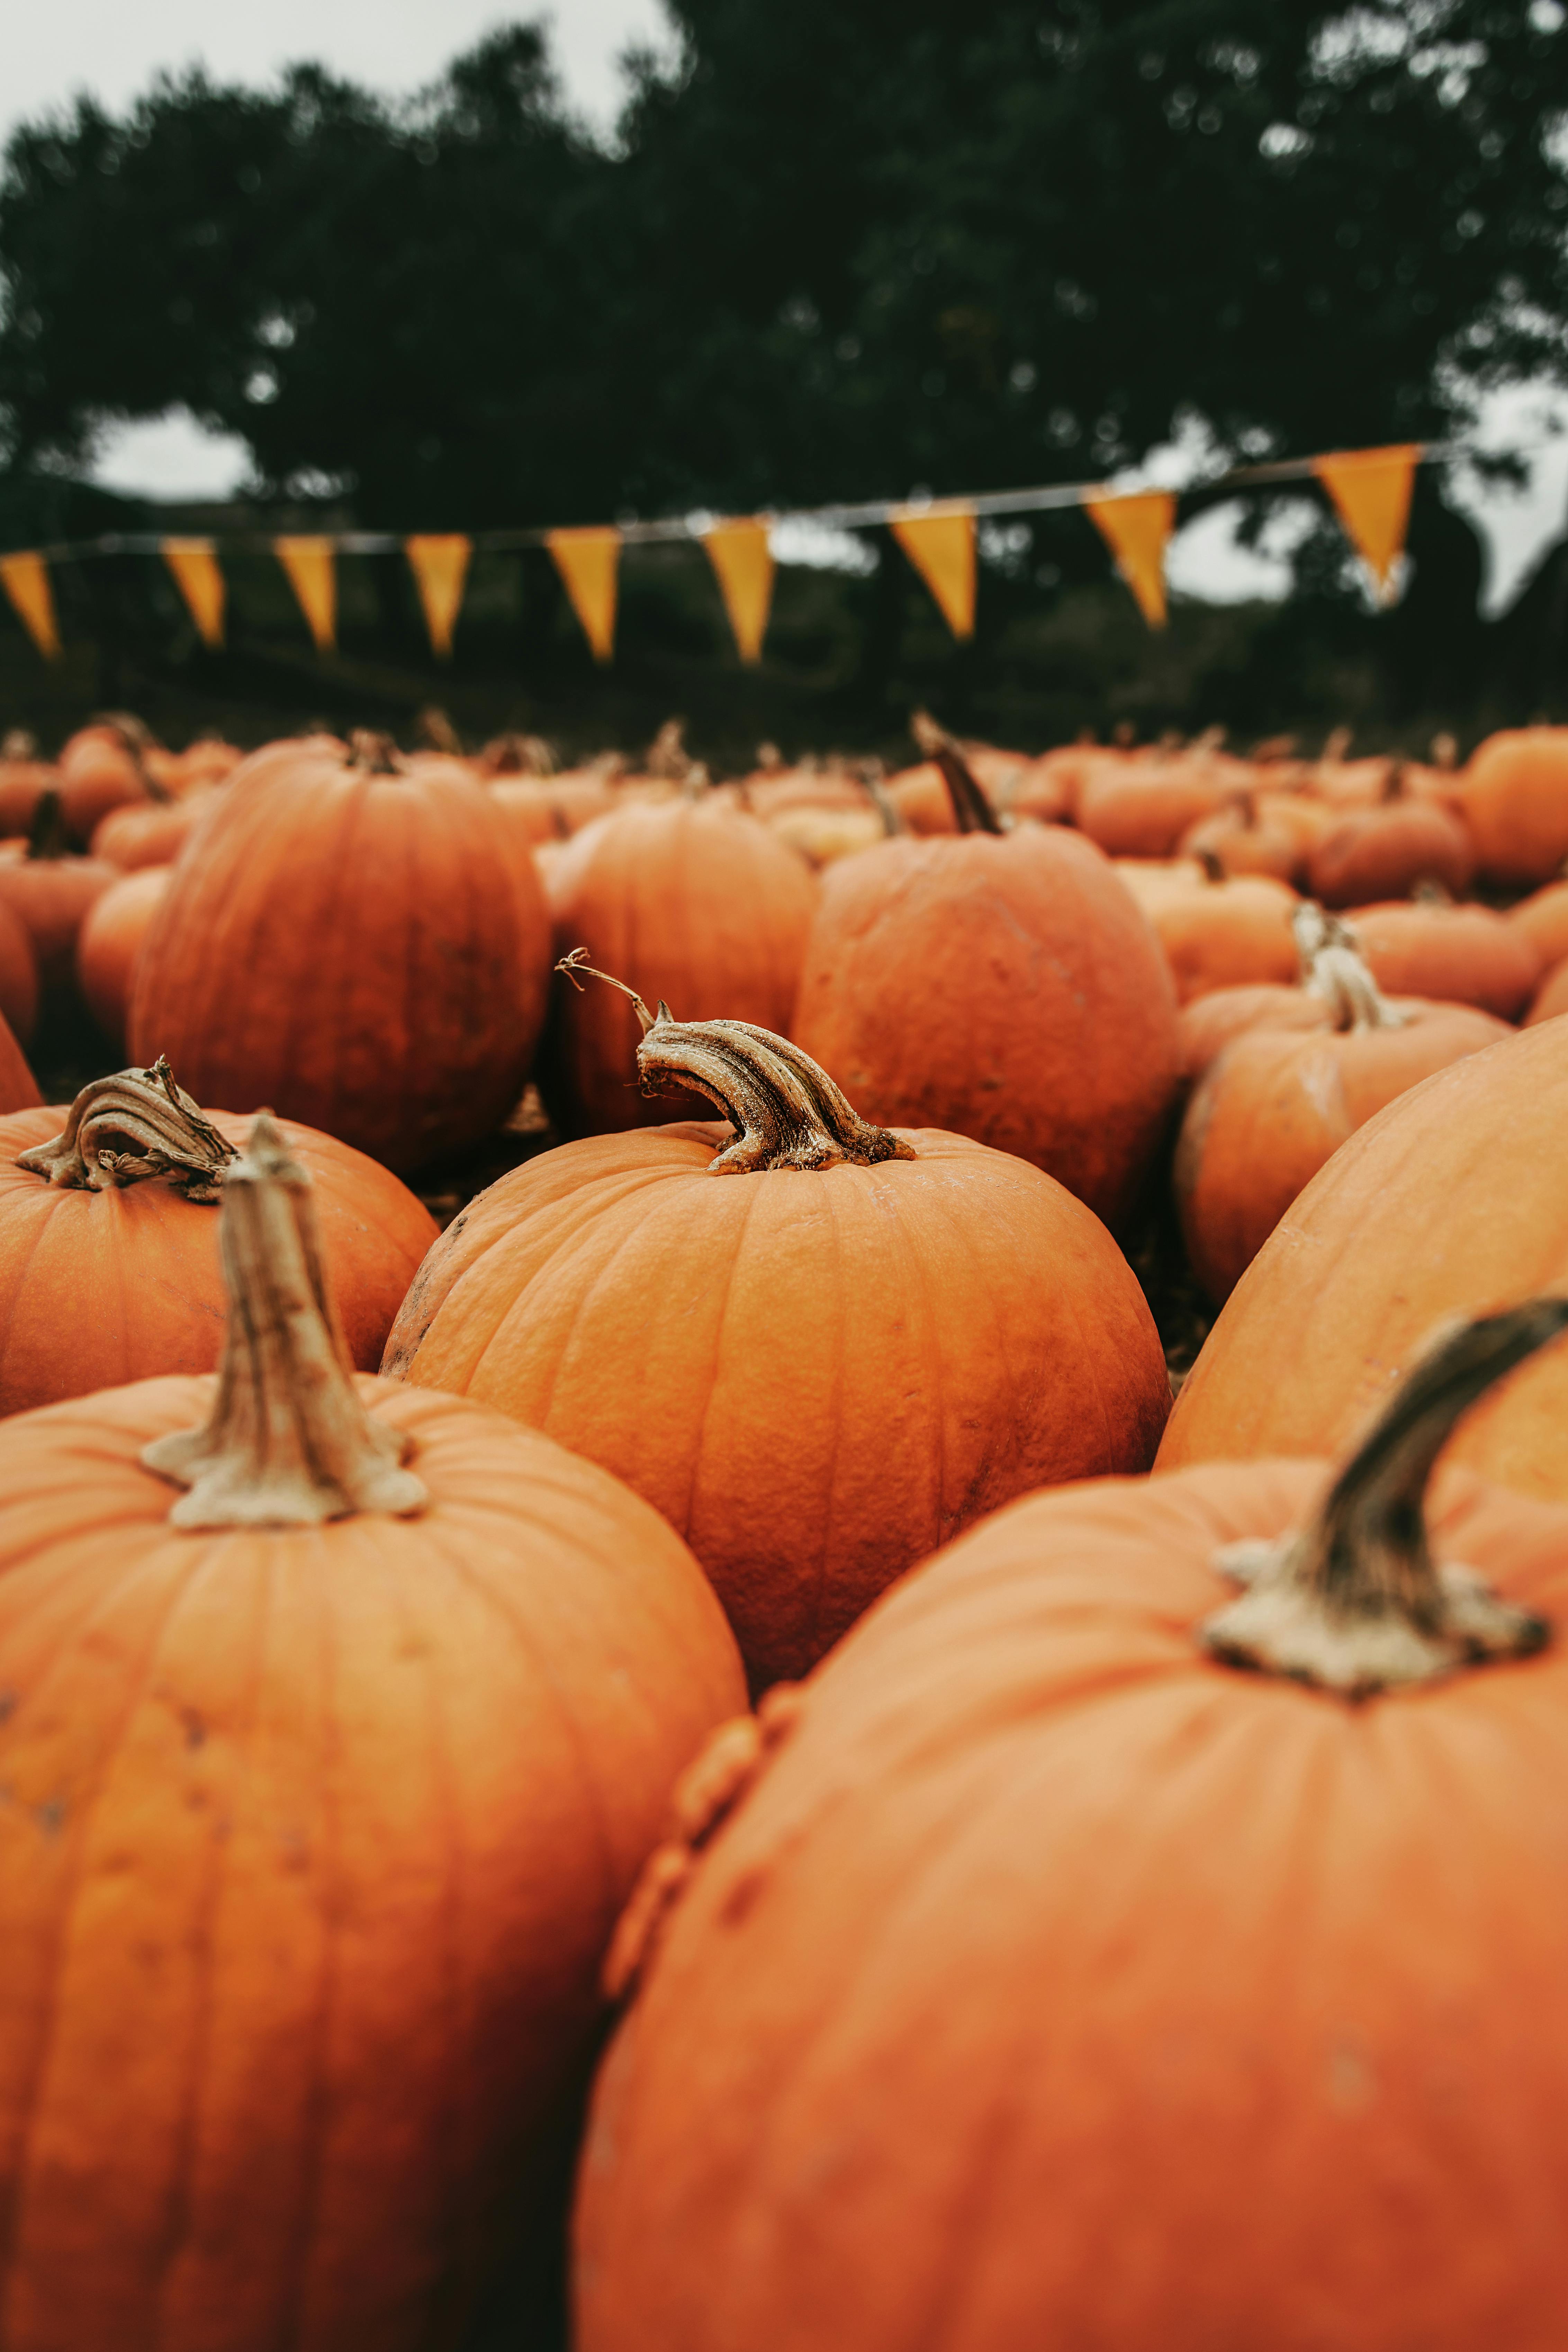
{"x": 783, "y": 1561}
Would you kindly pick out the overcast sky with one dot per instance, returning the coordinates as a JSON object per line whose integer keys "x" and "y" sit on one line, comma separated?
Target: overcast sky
{"x": 50, "y": 50}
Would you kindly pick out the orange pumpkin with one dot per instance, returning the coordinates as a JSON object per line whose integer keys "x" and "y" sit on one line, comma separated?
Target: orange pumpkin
{"x": 1453, "y": 1201}
{"x": 1247, "y": 837}
{"x": 151, "y": 831}
{"x": 109, "y": 942}
{"x": 1210, "y": 1023}
{"x": 693, "y": 902}
{"x": 820, "y": 1349}
{"x": 18, "y": 976}
{"x": 1278, "y": 1101}
{"x": 1542, "y": 917}
{"x": 1033, "y": 1978}
{"x": 108, "y": 1267}
{"x": 24, "y": 780}
{"x": 999, "y": 986}
{"x": 1463, "y": 955}
{"x": 48, "y": 890}
{"x": 1550, "y": 998}
{"x": 1221, "y": 933}
{"x": 359, "y": 938}
{"x": 1385, "y": 852}
{"x": 101, "y": 769}
{"x": 1515, "y": 799}
{"x": 325, "y": 1778}
{"x": 1140, "y": 807}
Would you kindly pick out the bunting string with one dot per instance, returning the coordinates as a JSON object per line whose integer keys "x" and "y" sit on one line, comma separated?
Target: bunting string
{"x": 1370, "y": 491}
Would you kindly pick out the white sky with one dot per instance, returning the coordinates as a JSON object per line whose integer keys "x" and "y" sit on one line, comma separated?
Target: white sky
{"x": 113, "y": 47}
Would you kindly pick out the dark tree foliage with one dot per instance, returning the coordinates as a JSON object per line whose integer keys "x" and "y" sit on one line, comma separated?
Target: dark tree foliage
{"x": 836, "y": 251}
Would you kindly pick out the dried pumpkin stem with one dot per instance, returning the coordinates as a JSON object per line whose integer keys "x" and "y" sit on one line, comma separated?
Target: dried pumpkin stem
{"x": 376, "y": 753}
{"x": 1354, "y": 1602}
{"x": 48, "y": 838}
{"x": 972, "y": 811}
{"x": 134, "y": 1125}
{"x": 785, "y": 1112}
{"x": 1333, "y": 967}
{"x": 289, "y": 1443}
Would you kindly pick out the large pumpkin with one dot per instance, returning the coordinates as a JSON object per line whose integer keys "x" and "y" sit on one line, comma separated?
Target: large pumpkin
{"x": 108, "y": 1267}
{"x": 324, "y": 1780}
{"x": 1277, "y": 1102}
{"x": 357, "y": 938}
{"x": 1000, "y": 986}
{"x": 1453, "y": 1201}
{"x": 820, "y": 1349}
{"x": 1515, "y": 799}
{"x": 1056, "y": 1985}
{"x": 691, "y": 901}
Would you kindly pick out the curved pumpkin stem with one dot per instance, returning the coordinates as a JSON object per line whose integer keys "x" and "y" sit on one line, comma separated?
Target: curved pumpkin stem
{"x": 785, "y": 1112}
{"x": 289, "y": 1443}
{"x": 1333, "y": 967}
{"x": 1354, "y": 1602}
{"x": 146, "y": 1109}
{"x": 376, "y": 753}
{"x": 971, "y": 809}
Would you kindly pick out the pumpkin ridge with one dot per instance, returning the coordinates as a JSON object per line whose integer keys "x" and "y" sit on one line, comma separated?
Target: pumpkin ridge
{"x": 82, "y": 1816}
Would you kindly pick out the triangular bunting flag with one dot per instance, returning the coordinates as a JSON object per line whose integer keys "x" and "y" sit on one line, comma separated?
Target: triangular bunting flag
{"x": 1371, "y": 489}
{"x": 587, "y": 560}
{"x": 308, "y": 564}
{"x": 440, "y": 563}
{"x": 743, "y": 559}
{"x": 194, "y": 565}
{"x": 940, "y": 543}
{"x": 25, "y": 580}
{"x": 1136, "y": 527}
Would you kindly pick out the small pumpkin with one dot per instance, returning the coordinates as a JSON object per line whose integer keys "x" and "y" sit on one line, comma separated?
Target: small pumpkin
{"x": 1002, "y": 986}
{"x": 1463, "y": 955}
{"x": 1033, "y": 1976}
{"x": 109, "y": 942}
{"x": 151, "y": 832}
{"x": 1550, "y": 998}
{"x": 18, "y": 976}
{"x": 1388, "y": 851}
{"x": 1451, "y": 1202}
{"x": 339, "y": 1720}
{"x": 24, "y": 780}
{"x": 1277, "y": 1101}
{"x": 1542, "y": 917}
{"x": 49, "y": 889}
{"x": 102, "y": 767}
{"x": 1141, "y": 806}
{"x": 1515, "y": 798}
{"x": 691, "y": 900}
{"x": 358, "y": 937}
{"x": 1220, "y": 932}
{"x": 108, "y": 1267}
{"x": 818, "y": 1347}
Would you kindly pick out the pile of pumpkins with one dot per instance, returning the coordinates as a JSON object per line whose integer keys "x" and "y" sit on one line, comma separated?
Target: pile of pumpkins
{"x": 723, "y": 1672}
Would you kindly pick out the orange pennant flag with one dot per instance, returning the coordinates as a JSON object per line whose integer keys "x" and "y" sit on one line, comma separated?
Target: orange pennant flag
{"x": 587, "y": 560}
{"x": 25, "y": 580}
{"x": 940, "y": 543}
{"x": 194, "y": 565}
{"x": 1371, "y": 490}
{"x": 1136, "y": 527}
{"x": 440, "y": 563}
{"x": 742, "y": 556}
{"x": 308, "y": 564}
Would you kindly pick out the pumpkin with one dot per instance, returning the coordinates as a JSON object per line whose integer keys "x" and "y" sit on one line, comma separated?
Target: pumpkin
{"x": 1140, "y": 807}
{"x": 1550, "y": 998}
{"x": 1385, "y": 852}
{"x": 1543, "y": 918}
{"x": 24, "y": 780}
{"x": 819, "y": 1348}
{"x": 1000, "y": 986}
{"x": 357, "y": 939}
{"x": 109, "y": 942}
{"x": 1033, "y": 1976}
{"x": 693, "y": 902}
{"x": 1453, "y": 1201}
{"x": 18, "y": 975}
{"x": 1221, "y": 933}
{"x": 1464, "y": 955}
{"x": 339, "y": 1720}
{"x": 101, "y": 769}
{"x": 108, "y": 1270}
{"x": 18, "y": 1087}
{"x": 48, "y": 890}
{"x": 1208, "y": 1024}
{"x": 1515, "y": 799}
{"x": 1243, "y": 838}
{"x": 151, "y": 832}
{"x": 1277, "y": 1102}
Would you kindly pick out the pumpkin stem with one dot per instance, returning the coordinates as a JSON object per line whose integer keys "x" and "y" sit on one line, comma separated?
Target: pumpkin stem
{"x": 1333, "y": 967}
{"x": 881, "y": 799}
{"x": 1212, "y": 863}
{"x": 47, "y": 835}
{"x": 1354, "y": 1602}
{"x": 785, "y": 1112}
{"x": 972, "y": 811}
{"x": 376, "y": 753}
{"x": 19, "y": 743}
{"x": 289, "y": 1443}
{"x": 145, "y": 1110}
